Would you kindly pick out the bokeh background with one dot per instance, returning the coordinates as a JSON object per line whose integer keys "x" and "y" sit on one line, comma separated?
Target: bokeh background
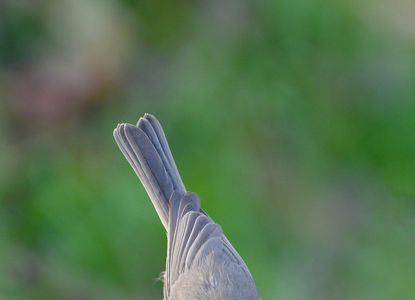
{"x": 293, "y": 120}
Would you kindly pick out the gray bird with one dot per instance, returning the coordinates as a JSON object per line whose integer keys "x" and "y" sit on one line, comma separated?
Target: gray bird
{"x": 201, "y": 263}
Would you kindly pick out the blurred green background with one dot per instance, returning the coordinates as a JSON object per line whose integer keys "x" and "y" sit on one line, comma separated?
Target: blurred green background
{"x": 293, "y": 120}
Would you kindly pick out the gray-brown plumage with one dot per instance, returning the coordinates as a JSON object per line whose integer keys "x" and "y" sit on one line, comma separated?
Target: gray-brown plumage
{"x": 201, "y": 263}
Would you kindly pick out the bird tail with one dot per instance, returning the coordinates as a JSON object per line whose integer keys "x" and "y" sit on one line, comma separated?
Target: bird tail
{"x": 146, "y": 149}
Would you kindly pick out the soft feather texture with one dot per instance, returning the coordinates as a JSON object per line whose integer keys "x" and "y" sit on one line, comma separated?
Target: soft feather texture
{"x": 201, "y": 263}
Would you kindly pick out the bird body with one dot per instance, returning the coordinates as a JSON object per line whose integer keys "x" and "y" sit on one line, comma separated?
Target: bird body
{"x": 201, "y": 263}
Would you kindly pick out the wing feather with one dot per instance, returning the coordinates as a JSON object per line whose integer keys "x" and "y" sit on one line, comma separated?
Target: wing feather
{"x": 191, "y": 235}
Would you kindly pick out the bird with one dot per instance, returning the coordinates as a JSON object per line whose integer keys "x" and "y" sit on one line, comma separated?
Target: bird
{"x": 201, "y": 263}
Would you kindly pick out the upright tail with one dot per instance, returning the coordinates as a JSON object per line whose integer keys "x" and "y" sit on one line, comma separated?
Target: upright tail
{"x": 146, "y": 149}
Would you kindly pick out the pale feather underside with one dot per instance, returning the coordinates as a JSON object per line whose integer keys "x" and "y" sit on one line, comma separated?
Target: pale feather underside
{"x": 194, "y": 240}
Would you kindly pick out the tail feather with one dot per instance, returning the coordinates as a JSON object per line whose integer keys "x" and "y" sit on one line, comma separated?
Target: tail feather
{"x": 152, "y": 127}
{"x": 146, "y": 149}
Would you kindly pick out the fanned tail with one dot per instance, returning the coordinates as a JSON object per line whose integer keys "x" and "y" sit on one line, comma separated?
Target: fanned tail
{"x": 146, "y": 149}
